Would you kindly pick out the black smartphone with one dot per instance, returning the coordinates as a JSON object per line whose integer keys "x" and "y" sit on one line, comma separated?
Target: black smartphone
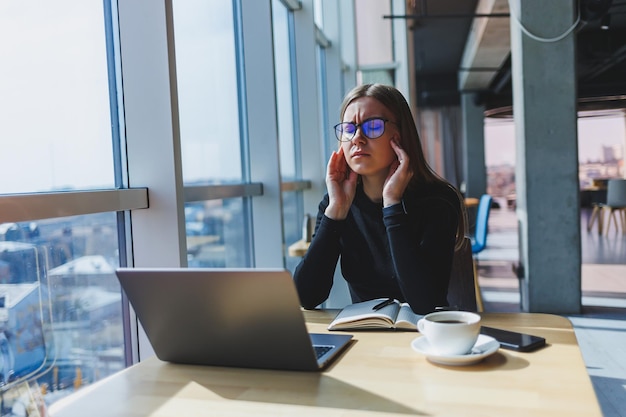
{"x": 520, "y": 342}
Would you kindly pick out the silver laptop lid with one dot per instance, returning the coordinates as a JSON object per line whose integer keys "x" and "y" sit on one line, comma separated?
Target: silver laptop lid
{"x": 226, "y": 317}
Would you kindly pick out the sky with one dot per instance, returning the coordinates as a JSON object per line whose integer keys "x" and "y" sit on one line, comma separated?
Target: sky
{"x": 55, "y": 123}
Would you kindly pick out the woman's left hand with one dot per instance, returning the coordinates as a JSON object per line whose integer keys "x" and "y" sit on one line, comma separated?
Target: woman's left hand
{"x": 398, "y": 179}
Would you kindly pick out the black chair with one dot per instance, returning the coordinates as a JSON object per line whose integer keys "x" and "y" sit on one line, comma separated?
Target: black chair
{"x": 463, "y": 291}
{"x": 616, "y": 204}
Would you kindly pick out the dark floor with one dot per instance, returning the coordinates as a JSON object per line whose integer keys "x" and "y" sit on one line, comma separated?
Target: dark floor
{"x": 599, "y": 253}
{"x": 606, "y": 248}
{"x": 601, "y": 328}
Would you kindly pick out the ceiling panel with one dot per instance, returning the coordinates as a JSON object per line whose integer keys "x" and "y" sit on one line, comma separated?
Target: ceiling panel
{"x": 444, "y": 65}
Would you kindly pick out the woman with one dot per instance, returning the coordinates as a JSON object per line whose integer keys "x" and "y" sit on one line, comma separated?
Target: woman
{"x": 394, "y": 222}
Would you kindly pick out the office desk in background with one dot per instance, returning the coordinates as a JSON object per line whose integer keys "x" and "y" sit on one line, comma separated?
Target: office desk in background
{"x": 378, "y": 375}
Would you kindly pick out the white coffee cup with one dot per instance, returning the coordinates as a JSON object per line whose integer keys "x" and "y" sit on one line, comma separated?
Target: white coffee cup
{"x": 450, "y": 332}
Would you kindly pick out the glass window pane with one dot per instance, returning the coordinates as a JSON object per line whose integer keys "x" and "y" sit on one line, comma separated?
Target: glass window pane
{"x": 207, "y": 91}
{"x": 284, "y": 91}
{"x": 327, "y": 120}
{"x": 292, "y": 224}
{"x": 206, "y": 69}
{"x": 382, "y": 76}
{"x": 287, "y": 134}
{"x": 60, "y": 303}
{"x": 216, "y": 234}
{"x": 54, "y": 97}
{"x": 373, "y": 33}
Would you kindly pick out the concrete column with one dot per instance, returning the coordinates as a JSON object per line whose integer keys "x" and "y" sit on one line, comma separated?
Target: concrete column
{"x": 474, "y": 169}
{"x": 544, "y": 91}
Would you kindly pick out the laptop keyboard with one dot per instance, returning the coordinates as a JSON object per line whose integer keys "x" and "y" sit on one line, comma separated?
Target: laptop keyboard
{"x": 320, "y": 350}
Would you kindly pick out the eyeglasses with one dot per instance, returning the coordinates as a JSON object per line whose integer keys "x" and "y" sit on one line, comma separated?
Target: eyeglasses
{"x": 371, "y": 128}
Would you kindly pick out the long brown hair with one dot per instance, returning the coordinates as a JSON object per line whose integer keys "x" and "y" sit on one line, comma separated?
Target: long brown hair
{"x": 410, "y": 141}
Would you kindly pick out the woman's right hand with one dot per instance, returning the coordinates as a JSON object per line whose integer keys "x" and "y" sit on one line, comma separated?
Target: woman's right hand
{"x": 341, "y": 186}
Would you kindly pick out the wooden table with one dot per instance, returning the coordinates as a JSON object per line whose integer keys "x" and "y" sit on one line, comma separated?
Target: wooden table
{"x": 299, "y": 248}
{"x": 379, "y": 375}
{"x": 471, "y": 202}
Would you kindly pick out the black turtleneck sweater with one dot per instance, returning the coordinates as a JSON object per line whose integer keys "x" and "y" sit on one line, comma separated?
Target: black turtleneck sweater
{"x": 403, "y": 251}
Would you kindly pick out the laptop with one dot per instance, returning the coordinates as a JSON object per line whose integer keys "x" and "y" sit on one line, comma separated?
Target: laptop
{"x": 247, "y": 318}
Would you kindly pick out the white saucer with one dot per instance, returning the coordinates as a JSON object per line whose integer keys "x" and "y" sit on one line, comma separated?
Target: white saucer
{"x": 485, "y": 346}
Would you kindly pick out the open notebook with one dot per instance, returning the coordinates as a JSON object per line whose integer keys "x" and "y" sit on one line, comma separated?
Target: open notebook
{"x": 247, "y": 318}
{"x": 380, "y": 313}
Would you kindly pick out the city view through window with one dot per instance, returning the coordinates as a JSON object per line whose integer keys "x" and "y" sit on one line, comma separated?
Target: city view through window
{"x": 601, "y": 147}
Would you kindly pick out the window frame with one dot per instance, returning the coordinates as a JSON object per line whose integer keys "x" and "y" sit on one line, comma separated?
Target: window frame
{"x": 149, "y": 193}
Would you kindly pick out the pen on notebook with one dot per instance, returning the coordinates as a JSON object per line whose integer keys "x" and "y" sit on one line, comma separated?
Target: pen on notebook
{"x": 446, "y": 308}
{"x": 383, "y": 304}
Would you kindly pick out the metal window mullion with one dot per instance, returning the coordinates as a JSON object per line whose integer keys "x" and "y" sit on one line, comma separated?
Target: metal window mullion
{"x": 38, "y": 206}
{"x": 262, "y": 133}
{"x": 219, "y": 192}
{"x": 244, "y": 141}
{"x": 321, "y": 38}
{"x": 152, "y": 137}
{"x": 292, "y": 5}
{"x": 151, "y": 127}
{"x": 295, "y": 114}
{"x": 299, "y": 185}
